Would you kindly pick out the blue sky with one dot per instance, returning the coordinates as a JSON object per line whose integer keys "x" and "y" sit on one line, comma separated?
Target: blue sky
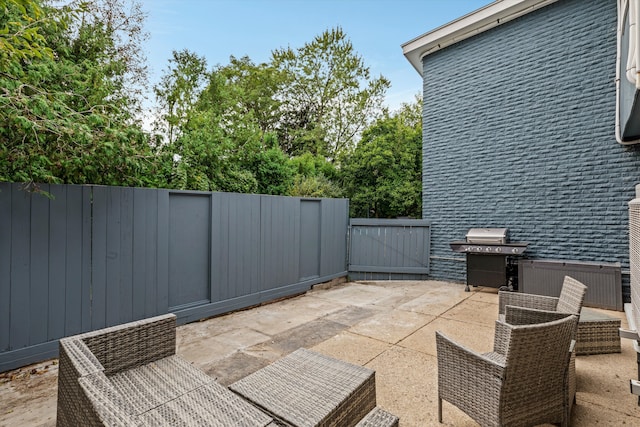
{"x": 217, "y": 29}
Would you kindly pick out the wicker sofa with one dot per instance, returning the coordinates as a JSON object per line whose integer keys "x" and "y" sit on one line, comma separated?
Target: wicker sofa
{"x": 129, "y": 375}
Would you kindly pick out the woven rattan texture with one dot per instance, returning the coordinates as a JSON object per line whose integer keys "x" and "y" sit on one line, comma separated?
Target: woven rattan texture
{"x": 598, "y": 337}
{"x": 306, "y": 388}
{"x": 145, "y": 384}
{"x": 525, "y": 386}
{"x": 527, "y": 316}
{"x": 570, "y": 300}
{"x": 378, "y": 417}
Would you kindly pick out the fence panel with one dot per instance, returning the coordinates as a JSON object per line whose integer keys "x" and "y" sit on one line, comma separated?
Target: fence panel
{"x": 189, "y": 249}
{"x": 43, "y": 270}
{"x": 310, "y": 243}
{"x": 235, "y": 262}
{"x": 388, "y": 248}
{"x": 334, "y": 217}
{"x": 93, "y": 256}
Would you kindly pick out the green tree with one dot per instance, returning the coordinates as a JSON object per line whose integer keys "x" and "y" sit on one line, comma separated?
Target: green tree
{"x": 223, "y": 132}
{"x": 254, "y": 89}
{"x": 21, "y": 38}
{"x": 382, "y": 177}
{"x": 328, "y": 96}
{"x": 178, "y": 92}
{"x": 315, "y": 177}
{"x": 64, "y": 117}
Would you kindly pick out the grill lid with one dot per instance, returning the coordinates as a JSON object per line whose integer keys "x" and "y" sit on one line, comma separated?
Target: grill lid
{"x": 488, "y": 236}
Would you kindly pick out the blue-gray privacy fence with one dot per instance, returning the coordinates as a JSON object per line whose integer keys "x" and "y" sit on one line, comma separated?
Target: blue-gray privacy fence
{"x": 91, "y": 256}
{"x": 388, "y": 249}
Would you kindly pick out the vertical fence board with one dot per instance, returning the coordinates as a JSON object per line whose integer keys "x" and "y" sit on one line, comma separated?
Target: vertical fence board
{"x": 57, "y": 261}
{"x": 233, "y": 261}
{"x": 243, "y": 226}
{"x": 161, "y": 201}
{"x": 126, "y": 255}
{"x": 150, "y": 255}
{"x": 280, "y": 224}
{"x": 6, "y": 208}
{"x": 138, "y": 254}
{"x": 218, "y": 236}
{"x": 113, "y": 273}
{"x": 39, "y": 266}
{"x": 20, "y": 237}
{"x": 87, "y": 214}
{"x": 98, "y": 258}
{"x": 74, "y": 261}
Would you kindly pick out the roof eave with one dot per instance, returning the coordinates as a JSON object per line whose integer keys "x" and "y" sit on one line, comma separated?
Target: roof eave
{"x": 469, "y": 25}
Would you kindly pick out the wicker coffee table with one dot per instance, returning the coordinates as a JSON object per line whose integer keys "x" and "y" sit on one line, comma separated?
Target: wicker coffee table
{"x": 307, "y": 388}
{"x": 597, "y": 333}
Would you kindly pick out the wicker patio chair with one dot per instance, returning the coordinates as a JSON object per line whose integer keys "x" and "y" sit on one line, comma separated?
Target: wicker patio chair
{"x": 570, "y": 300}
{"x": 527, "y": 316}
{"x": 521, "y": 383}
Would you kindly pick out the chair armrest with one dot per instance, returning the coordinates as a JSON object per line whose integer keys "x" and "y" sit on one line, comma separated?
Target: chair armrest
{"x": 518, "y": 299}
{"x": 515, "y": 315}
{"x": 76, "y": 361}
{"x": 462, "y": 368}
{"x": 78, "y": 358}
{"x": 469, "y": 380}
{"x": 101, "y": 404}
{"x": 133, "y": 344}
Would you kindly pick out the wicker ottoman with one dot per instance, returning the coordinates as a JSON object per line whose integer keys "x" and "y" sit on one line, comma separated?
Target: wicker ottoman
{"x": 308, "y": 389}
{"x": 597, "y": 333}
{"x": 378, "y": 417}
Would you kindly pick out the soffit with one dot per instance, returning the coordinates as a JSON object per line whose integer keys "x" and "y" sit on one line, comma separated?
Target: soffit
{"x": 469, "y": 25}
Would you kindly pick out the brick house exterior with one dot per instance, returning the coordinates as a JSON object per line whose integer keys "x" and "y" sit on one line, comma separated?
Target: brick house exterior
{"x": 519, "y": 132}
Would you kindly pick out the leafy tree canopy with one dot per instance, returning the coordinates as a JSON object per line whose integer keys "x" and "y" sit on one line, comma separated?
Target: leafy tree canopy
{"x": 310, "y": 122}
{"x": 382, "y": 177}
{"x": 328, "y": 95}
{"x": 66, "y": 117}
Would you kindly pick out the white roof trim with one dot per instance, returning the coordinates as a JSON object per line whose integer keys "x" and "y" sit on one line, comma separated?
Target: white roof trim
{"x": 483, "y": 19}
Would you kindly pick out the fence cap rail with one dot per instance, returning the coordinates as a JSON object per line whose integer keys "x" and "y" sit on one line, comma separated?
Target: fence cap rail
{"x": 373, "y": 222}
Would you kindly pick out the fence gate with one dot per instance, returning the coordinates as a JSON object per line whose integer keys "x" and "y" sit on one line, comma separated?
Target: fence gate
{"x": 381, "y": 249}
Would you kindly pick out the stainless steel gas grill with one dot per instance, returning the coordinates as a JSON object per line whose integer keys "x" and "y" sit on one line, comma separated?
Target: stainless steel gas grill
{"x": 490, "y": 257}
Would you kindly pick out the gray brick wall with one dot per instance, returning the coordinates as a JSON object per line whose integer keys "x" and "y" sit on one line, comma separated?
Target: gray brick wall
{"x": 519, "y": 133}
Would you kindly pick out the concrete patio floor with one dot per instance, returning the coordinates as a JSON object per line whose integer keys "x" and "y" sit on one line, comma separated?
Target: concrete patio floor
{"x": 387, "y": 326}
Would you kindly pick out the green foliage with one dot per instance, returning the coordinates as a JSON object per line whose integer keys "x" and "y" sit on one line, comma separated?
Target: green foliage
{"x": 308, "y": 165}
{"x": 65, "y": 117}
{"x": 382, "y": 177}
{"x": 72, "y": 81}
{"x": 179, "y": 91}
{"x": 328, "y": 96}
{"x": 273, "y": 172}
{"x": 20, "y": 37}
{"x": 315, "y": 177}
{"x": 315, "y": 186}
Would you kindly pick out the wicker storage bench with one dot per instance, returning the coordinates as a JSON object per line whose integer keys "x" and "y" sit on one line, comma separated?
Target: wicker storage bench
{"x": 597, "y": 333}
{"x": 129, "y": 375}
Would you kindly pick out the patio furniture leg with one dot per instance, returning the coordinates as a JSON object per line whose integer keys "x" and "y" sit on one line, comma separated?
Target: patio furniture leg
{"x": 440, "y": 410}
